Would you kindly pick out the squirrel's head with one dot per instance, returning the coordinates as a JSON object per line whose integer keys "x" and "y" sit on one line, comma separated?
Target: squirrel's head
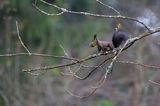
{"x": 93, "y": 42}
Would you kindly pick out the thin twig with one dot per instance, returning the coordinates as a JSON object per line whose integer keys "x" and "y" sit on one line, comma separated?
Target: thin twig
{"x": 101, "y": 82}
{"x": 71, "y": 73}
{"x": 110, "y": 7}
{"x": 21, "y": 39}
{"x": 140, "y": 64}
{"x": 49, "y": 14}
{"x": 67, "y": 56}
{"x": 156, "y": 83}
{"x": 100, "y": 65}
{"x": 82, "y": 97}
{"x": 110, "y": 67}
{"x": 37, "y": 54}
{"x": 88, "y": 66}
{"x": 133, "y": 40}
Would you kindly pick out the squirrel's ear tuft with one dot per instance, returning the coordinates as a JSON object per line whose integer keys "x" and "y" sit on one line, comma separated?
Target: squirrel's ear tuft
{"x": 119, "y": 25}
{"x": 95, "y": 36}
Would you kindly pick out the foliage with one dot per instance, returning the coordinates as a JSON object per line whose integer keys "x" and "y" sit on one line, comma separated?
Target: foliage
{"x": 103, "y": 103}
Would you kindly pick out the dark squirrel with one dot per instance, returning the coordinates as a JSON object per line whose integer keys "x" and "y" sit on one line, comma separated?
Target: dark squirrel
{"x": 119, "y": 36}
{"x": 102, "y": 46}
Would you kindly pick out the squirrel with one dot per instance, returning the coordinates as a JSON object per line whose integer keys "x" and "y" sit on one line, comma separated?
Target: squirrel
{"x": 102, "y": 46}
{"x": 119, "y": 36}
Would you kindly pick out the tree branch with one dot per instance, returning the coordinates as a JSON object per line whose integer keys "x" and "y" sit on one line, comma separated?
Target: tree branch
{"x": 110, "y": 7}
{"x": 64, "y": 10}
{"x": 21, "y": 39}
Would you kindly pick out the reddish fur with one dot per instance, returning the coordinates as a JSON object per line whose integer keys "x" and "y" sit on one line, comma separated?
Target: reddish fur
{"x": 103, "y": 45}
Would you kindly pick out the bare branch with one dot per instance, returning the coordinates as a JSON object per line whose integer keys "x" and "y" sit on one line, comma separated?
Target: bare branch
{"x": 34, "y": 74}
{"x": 101, "y": 82}
{"x": 156, "y": 83}
{"x": 50, "y": 67}
{"x": 68, "y": 64}
{"x": 37, "y": 54}
{"x": 82, "y": 97}
{"x": 63, "y": 10}
{"x": 33, "y": 54}
{"x": 21, "y": 39}
{"x": 140, "y": 64}
{"x": 49, "y": 14}
{"x": 110, "y": 7}
{"x": 73, "y": 74}
{"x": 100, "y": 65}
{"x": 109, "y": 68}
{"x": 69, "y": 68}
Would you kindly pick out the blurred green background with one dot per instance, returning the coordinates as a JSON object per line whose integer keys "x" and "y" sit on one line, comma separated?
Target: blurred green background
{"x": 127, "y": 86}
